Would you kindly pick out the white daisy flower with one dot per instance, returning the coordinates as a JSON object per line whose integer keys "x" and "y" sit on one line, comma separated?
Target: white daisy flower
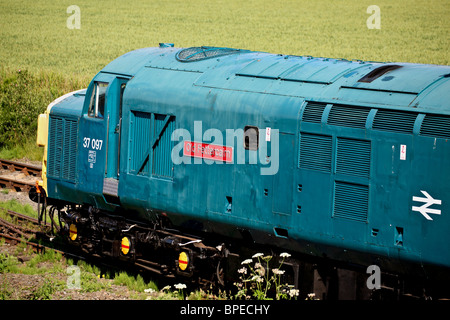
{"x": 278, "y": 271}
{"x": 180, "y": 286}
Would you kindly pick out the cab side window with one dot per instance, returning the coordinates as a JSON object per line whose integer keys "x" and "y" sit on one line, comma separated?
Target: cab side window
{"x": 98, "y": 100}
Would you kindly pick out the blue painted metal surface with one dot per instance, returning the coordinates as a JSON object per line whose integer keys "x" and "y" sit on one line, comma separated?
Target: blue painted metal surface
{"x": 363, "y": 167}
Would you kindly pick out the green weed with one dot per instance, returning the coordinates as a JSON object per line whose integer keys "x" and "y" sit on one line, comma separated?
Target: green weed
{"x": 45, "y": 291}
{"x": 8, "y": 264}
{"x": 133, "y": 283}
{"x": 16, "y": 206}
{"x": 6, "y": 291}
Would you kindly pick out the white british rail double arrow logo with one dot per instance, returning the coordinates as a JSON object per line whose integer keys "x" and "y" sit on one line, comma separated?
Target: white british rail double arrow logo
{"x": 427, "y": 202}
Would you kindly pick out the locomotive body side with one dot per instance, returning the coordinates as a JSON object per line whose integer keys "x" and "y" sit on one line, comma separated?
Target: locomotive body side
{"x": 351, "y": 161}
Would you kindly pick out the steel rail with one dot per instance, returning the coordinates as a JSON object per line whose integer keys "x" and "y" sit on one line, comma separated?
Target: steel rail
{"x": 6, "y": 182}
{"x": 21, "y": 216}
{"x": 13, "y": 230}
{"x": 28, "y": 169}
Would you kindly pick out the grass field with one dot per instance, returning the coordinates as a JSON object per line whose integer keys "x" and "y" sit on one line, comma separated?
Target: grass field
{"x": 35, "y": 37}
{"x": 34, "y": 34}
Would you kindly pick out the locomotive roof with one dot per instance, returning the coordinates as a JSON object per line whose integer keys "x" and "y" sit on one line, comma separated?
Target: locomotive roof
{"x": 401, "y": 84}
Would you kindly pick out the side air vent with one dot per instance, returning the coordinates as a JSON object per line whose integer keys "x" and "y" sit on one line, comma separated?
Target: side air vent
{"x": 351, "y": 201}
{"x": 353, "y": 157}
{"x": 313, "y": 112}
{"x": 69, "y": 150}
{"x": 201, "y": 53}
{"x": 315, "y": 152}
{"x": 151, "y": 144}
{"x": 162, "y": 165}
{"x": 55, "y": 147}
{"x": 394, "y": 121}
{"x": 62, "y": 148}
{"x": 140, "y": 126}
{"x": 378, "y": 72}
{"x": 348, "y": 116}
{"x": 436, "y": 126}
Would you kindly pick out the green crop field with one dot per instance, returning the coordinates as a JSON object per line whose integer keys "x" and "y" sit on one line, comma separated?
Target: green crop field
{"x": 35, "y": 35}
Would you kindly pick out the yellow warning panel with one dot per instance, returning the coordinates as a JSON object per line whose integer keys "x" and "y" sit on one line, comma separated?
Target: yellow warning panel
{"x": 73, "y": 232}
{"x": 125, "y": 246}
{"x": 183, "y": 261}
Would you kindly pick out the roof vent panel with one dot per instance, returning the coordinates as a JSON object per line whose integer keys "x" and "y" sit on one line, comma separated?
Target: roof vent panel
{"x": 313, "y": 112}
{"x": 348, "y": 116}
{"x": 202, "y": 53}
{"x": 394, "y": 121}
{"x": 436, "y": 126}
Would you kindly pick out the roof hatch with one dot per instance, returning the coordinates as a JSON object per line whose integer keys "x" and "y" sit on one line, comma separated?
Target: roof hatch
{"x": 378, "y": 72}
{"x": 201, "y": 53}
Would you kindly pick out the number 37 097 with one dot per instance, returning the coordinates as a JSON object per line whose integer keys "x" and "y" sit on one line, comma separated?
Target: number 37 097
{"x": 95, "y": 144}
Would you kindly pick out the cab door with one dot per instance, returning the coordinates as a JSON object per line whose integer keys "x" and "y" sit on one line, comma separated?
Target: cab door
{"x": 113, "y": 117}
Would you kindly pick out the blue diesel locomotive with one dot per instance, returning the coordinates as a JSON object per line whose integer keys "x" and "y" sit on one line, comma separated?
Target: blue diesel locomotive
{"x": 177, "y": 159}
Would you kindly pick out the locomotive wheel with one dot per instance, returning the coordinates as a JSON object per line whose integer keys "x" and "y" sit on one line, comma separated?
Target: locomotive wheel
{"x": 220, "y": 274}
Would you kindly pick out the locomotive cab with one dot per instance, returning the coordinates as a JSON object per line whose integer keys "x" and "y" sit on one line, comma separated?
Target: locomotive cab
{"x": 81, "y": 134}
{"x": 100, "y": 137}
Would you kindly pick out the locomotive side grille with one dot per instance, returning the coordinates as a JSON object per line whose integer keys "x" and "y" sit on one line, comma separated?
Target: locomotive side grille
{"x": 315, "y": 152}
{"x": 347, "y": 116}
{"x": 313, "y": 112}
{"x": 62, "y": 148}
{"x": 436, "y": 126}
{"x": 69, "y": 149}
{"x": 151, "y": 144}
{"x": 55, "y": 147}
{"x": 162, "y": 161}
{"x": 351, "y": 201}
{"x": 394, "y": 121}
{"x": 353, "y": 157}
{"x": 139, "y": 142}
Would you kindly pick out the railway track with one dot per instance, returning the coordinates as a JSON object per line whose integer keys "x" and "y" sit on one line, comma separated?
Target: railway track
{"x": 17, "y": 185}
{"x": 28, "y": 169}
{"x": 28, "y": 230}
{"x": 38, "y": 236}
{"x": 18, "y": 176}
